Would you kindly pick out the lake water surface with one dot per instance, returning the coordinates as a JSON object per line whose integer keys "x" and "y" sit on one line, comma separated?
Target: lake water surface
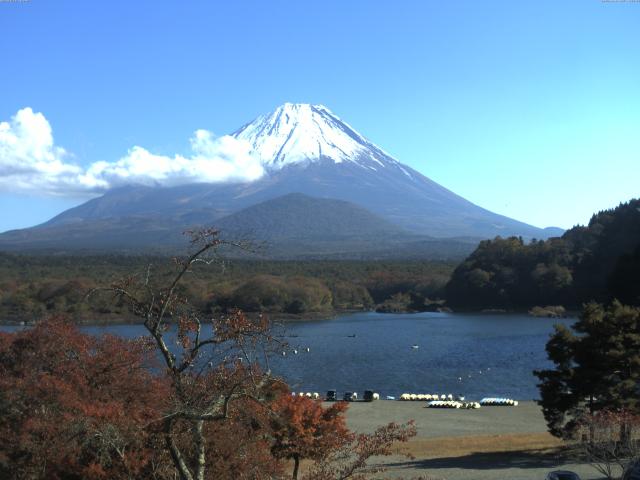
{"x": 475, "y": 355}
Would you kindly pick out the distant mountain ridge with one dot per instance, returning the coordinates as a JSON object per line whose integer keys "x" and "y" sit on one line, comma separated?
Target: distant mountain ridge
{"x": 291, "y": 226}
{"x": 305, "y": 149}
{"x": 298, "y": 216}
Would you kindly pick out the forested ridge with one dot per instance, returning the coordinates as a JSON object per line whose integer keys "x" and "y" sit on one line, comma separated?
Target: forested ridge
{"x": 597, "y": 262}
{"x": 32, "y": 286}
{"x": 600, "y": 261}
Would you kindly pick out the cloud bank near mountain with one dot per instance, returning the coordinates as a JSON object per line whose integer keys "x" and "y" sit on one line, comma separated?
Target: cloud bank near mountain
{"x": 30, "y": 161}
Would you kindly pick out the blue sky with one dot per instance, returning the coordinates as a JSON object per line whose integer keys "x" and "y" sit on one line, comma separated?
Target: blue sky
{"x": 529, "y": 109}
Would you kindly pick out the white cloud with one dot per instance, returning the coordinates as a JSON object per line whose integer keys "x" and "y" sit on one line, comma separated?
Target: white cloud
{"x": 31, "y": 162}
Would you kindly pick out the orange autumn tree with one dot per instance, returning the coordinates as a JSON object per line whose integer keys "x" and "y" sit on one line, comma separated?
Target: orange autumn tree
{"x": 303, "y": 429}
{"x": 194, "y": 399}
{"x": 350, "y": 460}
{"x": 76, "y": 406}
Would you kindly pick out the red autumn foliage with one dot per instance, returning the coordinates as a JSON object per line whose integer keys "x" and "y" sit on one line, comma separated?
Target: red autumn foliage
{"x": 77, "y": 406}
{"x": 350, "y": 460}
{"x": 303, "y": 429}
{"x": 74, "y": 405}
{"x": 240, "y": 447}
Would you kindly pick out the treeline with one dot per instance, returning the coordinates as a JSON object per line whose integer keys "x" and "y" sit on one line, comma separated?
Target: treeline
{"x": 598, "y": 262}
{"x": 34, "y": 286}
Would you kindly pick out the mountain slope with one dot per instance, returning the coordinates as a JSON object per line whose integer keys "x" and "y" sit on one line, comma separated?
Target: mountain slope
{"x": 298, "y": 216}
{"x": 299, "y": 226}
{"x": 305, "y": 149}
{"x": 291, "y": 226}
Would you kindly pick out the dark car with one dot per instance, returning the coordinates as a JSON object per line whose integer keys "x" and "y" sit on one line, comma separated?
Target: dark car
{"x": 348, "y": 396}
{"x": 562, "y": 475}
{"x": 368, "y": 396}
{"x": 633, "y": 472}
{"x": 332, "y": 396}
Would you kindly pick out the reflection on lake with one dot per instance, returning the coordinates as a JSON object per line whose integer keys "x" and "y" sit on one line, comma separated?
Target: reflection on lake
{"x": 471, "y": 354}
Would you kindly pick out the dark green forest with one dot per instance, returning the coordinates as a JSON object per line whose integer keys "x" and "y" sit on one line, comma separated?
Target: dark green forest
{"x": 35, "y": 286}
{"x": 598, "y": 262}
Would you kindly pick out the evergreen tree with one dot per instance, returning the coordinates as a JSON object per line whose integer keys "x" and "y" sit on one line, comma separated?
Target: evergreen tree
{"x": 598, "y": 262}
{"x": 597, "y": 366}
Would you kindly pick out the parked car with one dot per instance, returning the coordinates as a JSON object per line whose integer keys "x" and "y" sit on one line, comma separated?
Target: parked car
{"x": 332, "y": 396}
{"x": 562, "y": 475}
{"x": 348, "y": 396}
{"x": 633, "y": 471}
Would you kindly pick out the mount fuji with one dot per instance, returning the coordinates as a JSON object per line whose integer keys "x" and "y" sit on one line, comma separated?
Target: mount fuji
{"x": 308, "y": 151}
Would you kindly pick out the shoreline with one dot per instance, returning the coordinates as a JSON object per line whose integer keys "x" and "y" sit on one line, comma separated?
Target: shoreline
{"x": 133, "y": 320}
{"x": 286, "y": 317}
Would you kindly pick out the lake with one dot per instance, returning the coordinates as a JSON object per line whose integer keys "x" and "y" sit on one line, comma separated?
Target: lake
{"x": 475, "y": 355}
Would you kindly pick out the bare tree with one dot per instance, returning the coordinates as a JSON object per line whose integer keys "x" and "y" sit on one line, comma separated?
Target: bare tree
{"x": 214, "y": 363}
{"x": 609, "y": 440}
{"x": 350, "y": 461}
{"x": 217, "y": 369}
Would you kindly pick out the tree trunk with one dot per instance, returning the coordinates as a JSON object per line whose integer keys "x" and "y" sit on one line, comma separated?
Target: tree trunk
{"x": 296, "y": 465}
{"x": 200, "y": 453}
{"x": 626, "y": 439}
{"x": 176, "y": 454}
{"x": 592, "y": 428}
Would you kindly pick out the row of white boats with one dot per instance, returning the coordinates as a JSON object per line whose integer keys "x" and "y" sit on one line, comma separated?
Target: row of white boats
{"x": 425, "y": 396}
{"x": 434, "y": 400}
{"x": 491, "y": 401}
{"x": 453, "y": 404}
{"x": 448, "y": 401}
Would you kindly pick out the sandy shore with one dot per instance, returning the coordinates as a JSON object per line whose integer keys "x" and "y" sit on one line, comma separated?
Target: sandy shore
{"x": 435, "y": 422}
{"x": 488, "y": 443}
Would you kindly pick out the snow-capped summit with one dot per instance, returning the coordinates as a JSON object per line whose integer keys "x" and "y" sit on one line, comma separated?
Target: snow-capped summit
{"x": 314, "y": 161}
{"x": 300, "y": 132}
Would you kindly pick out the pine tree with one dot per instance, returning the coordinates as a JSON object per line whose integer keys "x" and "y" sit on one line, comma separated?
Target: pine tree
{"x": 597, "y": 367}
